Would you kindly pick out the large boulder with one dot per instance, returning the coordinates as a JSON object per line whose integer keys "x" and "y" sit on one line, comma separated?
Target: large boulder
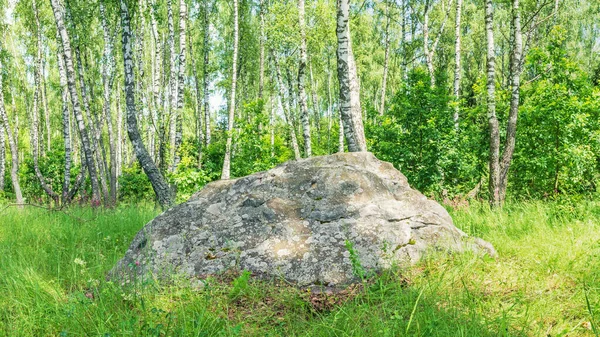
{"x": 308, "y": 221}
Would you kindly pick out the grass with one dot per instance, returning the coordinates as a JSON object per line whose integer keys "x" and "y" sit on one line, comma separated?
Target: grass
{"x": 546, "y": 282}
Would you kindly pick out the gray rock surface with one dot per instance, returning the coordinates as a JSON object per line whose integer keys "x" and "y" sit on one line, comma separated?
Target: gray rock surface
{"x": 294, "y": 221}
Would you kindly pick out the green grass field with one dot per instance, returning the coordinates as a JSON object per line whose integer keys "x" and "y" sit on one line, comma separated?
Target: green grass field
{"x": 546, "y": 282}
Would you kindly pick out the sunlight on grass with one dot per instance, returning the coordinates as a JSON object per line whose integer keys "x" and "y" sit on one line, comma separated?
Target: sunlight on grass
{"x": 545, "y": 282}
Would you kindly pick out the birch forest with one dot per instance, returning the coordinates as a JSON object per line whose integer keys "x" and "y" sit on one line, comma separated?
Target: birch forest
{"x": 119, "y": 101}
{"x": 301, "y": 168}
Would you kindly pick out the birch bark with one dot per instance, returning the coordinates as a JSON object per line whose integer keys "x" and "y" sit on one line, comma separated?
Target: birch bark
{"x": 107, "y": 81}
{"x": 286, "y": 107}
{"x": 71, "y": 84}
{"x": 226, "y": 173}
{"x": 491, "y": 106}
{"x": 161, "y": 188}
{"x": 350, "y": 110}
{"x": 301, "y": 82}
{"x": 12, "y": 143}
{"x": 511, "y": 129}
{"x": 181, "y": 82}
{"x": 386, "y": 59}
{"x": 205, "y": 74}
{"x": 457, "y": 66}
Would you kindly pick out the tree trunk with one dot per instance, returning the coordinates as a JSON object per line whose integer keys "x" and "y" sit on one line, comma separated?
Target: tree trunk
{"x": 491, "y": 106}
{"x": 403, "y": 40}
{"x": 457, "y": 69}
{"x": 226, "y": 173}
{"x": 12, "y": 143}
{"x": 350, "y": 110}
{"x": 429, "y": 51}
{"x": 286, "y": 107}
{"x": 120, "y": 138}
{"x": 107, "y": 80}
{"x": 173, "y": 81}
{"x": 140, "y": 83}
{"x": 386, "y": 59}
{"x": 94, "y": 125}
{"x": 341, "y": 134}
{"x": 157, "y": 105}
{"x": 272, "y": 125}
{"x": 301, "y": 82}
{"x": 261, "y": 61}
{"x": 180, "y": 85}
{"x": 161, "y": 188}
{"x": 46, "y": 110}
{"x": 428, "y": 54}
{"x": 199, "y": 114}
{"x": 35, "y": 147}
{"x": 511, "y": 129}
{"x": 2, "y": 154}
{"x": 85, "y": 141}
{"x": 206, "y": 51}
{"x": 66, "y": 121}
{"x": 315, "y": 104}
{"x": 329, "y": 108}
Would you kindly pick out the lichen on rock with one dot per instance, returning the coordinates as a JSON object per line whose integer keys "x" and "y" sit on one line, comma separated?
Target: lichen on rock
{"x": 294, "y": 221}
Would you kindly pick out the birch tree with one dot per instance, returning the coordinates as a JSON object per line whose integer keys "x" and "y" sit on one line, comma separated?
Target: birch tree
{"x": 173, "y": 80}
{"x": 226, "y": 173}
{"x": 159, "y": 150}
{"x": 511, "y": 129}
{"x": 301, "y": 82}
{"x": 499, "y": 168}
{"x": 12, "y": 143}
{"x": 350, "y": 110}
{"x": 34, "y": 130}
{"x": 107, "y": 81}
{"x": 163, "y": 192}
{"x": 205, "y": 74}
{"x": 70, "y": 70}
{"x": 181, "y": 81}
{"x": 491, "y": 105}
{"x": 286, "y": 107}
{"x": 457, "y": 69}
{"x": 386, "y": 57}
{"x": 262, "y": 38}
{"x": 428, "y": 50}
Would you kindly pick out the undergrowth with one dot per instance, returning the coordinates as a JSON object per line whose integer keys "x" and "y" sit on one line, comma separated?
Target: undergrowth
{"x": 545, "y": 282}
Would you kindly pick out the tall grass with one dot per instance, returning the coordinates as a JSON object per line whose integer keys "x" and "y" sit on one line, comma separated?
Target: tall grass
{"x": 545, "y": 282}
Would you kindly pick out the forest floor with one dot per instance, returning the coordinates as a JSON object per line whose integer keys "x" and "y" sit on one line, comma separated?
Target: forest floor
{"x": 545, "y": 282}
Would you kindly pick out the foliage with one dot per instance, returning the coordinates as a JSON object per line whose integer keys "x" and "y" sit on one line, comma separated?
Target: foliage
{"x": 253, "y": 150}
{"x": 52, "y": 167}
{"x": 417, "y": 135}
{"x": 559, "y": 138}
{"x": 134, "y": 185}
{"x": 188, "y": 178}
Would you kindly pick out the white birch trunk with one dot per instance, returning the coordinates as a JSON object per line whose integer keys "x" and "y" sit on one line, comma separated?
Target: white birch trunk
{"x": 511, "y": 128}
{"x": 205, "y": 74}
{"x": 350, "y": 109}
{"x": 71, "y": 83}
{"x": 181, "y": 82}
{"x": 286, "y": 107}
{"x": 12, "y": 143}
{"x": 301, "y": 82}
{"x": 226, "y": 173}
{"x": 386, "y": 59}
{"x": 457, "y": 69}
{"x": 491, "y": 106}
{"x": 173, "y": 80}
{"x": 107, "y": 81}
